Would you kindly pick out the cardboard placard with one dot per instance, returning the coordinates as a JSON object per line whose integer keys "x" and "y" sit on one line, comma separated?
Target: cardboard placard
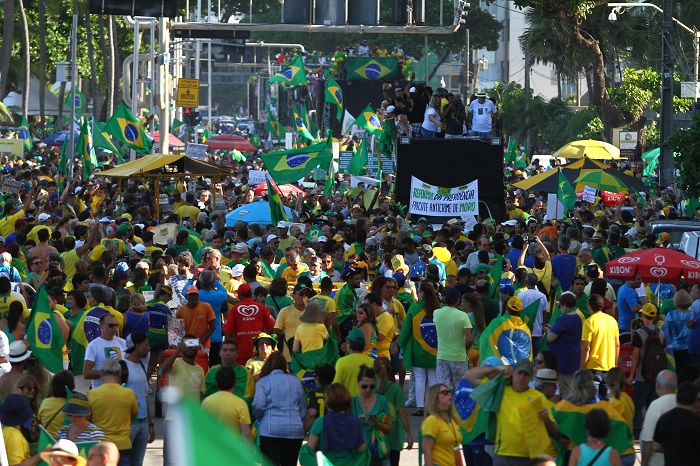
{"x": 589, "y": 194}
{"x": 11, "y": 186}
{"x": 196, "y": 151}
{"x": 256, "y": 177}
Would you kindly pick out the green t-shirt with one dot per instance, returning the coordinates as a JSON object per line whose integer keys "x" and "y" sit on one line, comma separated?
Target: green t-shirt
{"x": 316, "y": 399}
{"x": 394, "y": 395}
{"x": 450, "y": 323}
{"x": 380, "y": 409}
{"x": 242, "y": 382}
{"x": 282, "y": 301}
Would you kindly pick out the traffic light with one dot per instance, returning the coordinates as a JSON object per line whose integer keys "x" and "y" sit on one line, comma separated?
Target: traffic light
{"x": 190, "y": 115}
{"x": 461, "y": 12}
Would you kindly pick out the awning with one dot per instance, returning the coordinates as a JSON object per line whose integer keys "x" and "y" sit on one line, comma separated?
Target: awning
{"x": 168, "y": 165}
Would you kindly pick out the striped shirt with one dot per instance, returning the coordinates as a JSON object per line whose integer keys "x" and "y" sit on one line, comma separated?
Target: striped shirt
{"x": 91, "y": 433}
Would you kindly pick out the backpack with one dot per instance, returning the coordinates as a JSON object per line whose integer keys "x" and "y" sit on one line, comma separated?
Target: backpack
{"x": 653, "y": 355}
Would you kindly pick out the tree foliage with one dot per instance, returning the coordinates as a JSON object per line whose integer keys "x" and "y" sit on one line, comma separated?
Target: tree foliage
{"x": 685, "y": 143}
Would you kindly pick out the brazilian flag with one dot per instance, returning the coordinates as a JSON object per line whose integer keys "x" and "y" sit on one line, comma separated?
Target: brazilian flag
{"x": 372, "y": 68}
{"x": 571, "y": 419}
{"x": 303, "y": 364}
{"x": 529, "y": 313}
{"x": 44, "y": 334}
{"x": 292, "y": 75}
{"x": 78, "y": 103}
{"x": 314, "y": 233}
{"x": 291, "y": 165}
{"x": 334, "y": 95}
{"x": 86, "y": 149}
{"x": 494, "y": 276}
{"x": 506, "y": 337}
{"x": 512, "y": 151}
{"x": 104, "y": 141}
{"x": 359, "y": 160}
{"x": 277, "y": 213}
{"x": 300, "y": 126}
{"x": 127, "y": 129}
{"x": 273, "y": 126}
{"x": 370, "y": 121}
{"x": 24, "y": 133}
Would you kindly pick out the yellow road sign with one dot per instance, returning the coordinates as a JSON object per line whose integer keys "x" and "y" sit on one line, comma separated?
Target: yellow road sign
{"x": 187, "y": 92}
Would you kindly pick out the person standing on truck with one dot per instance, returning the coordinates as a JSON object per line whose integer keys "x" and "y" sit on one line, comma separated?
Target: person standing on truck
{"x": 482, "y": 117}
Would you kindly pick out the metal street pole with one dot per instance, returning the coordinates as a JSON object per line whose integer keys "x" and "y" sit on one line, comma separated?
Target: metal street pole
{"x": 666, "y": 170}
{"x": 73, "y": 83}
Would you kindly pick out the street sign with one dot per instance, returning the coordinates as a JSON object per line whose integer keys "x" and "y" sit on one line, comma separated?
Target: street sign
{"x": 187, "y": 92}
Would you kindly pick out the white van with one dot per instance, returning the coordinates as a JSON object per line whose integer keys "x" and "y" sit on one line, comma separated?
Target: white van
{"x": 690, "y": 243}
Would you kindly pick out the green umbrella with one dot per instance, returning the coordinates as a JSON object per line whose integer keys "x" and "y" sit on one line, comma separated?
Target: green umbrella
{"x": 602, "y": 181}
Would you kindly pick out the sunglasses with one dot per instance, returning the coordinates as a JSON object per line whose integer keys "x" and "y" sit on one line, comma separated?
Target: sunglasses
{"x": 445, "y": 392}
{"x": 365, "y": 387}
{"x": 112, "y": 325}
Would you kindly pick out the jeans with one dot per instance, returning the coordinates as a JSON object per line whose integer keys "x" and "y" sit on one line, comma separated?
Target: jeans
{"x": 281, "y": 451}
{"x": 643, "y": 393}
{"x": 421, "y": 373}
{"x": 427, "y": 134}
{"x": 124, "y": 458}
{"x": 449, "y": 373}
{"x": 139, "y": 441}
{"x": 483, "y": 135}
{"x": 476, "y": 455}
{"x": 453, "y": 136}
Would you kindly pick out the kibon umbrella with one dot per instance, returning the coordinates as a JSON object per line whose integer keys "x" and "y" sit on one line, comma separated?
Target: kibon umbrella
{"x": 602, "y": 181}
{"x": 655, "y": 265}
{"x": 590, "y": 148}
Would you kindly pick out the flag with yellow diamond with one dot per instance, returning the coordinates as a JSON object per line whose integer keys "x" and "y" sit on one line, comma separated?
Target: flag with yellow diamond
{"x": 300, "y": 126}
{"x": 291, "y": 165}
{"x": 44, "y": 334}
{"x": 370, "y": 121}
{"x": 334, "y": 95}
{"x": 371, "y": 68}
{"x": 293, "y": 75}
{"x": 127, "y": 129}
{"x": 273, "y": 126}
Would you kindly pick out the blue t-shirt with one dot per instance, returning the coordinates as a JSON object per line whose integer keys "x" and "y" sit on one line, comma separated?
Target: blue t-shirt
{"x": 677, "y": 330}
{"x": 564, "y": 268}
{"x": 567, "y": 346}
{"x": 627, "y": 298}
{"x": 529, "y": 262}
{"x": 514, "y": 256}
{"x": 694, "y": 335}
{"x": 134, "y": 323}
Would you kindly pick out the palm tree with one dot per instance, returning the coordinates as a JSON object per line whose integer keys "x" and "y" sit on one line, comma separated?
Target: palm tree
{"x": 27, "y": 59}
{"x": 42, "y": 62}
{"x": 8, "y": 34}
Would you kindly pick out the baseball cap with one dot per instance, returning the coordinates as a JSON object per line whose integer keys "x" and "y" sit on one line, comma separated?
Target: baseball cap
{"x": 120, "y": 274}
{"x": 140, "y": 248}
{"x": 515, "y": 304}
{"x": 649, "y": 310}
{"x": 480, "y": 268}
{"x": 282, "y": 224}
{"x": 356, "y": 335}
{"x": 523, "y": 364}
{"x": 299, "y": 287}
{"x": 237, "y": 270}
{"x": 663, "y": 237}
{"x": 599, "y": 213}
{"x": 452, "y": 295}
{"x": 134, "y": 339}
{"x": 390, "y": 109}
{"x": 245, "y": 289}
{"x": 507, "y": 289}
{"x": 191, "y": 289}
{"x": 43, "y": 217}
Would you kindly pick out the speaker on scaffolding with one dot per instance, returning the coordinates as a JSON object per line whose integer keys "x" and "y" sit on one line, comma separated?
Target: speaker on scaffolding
{"x": 296, "y": 11}
{"x": 154, "y": 8}
{"x": 364, "y": 12}
{"x": 331, "y": 12}
{"x": 419, "y": 12}
{"x": 399, "y": 11}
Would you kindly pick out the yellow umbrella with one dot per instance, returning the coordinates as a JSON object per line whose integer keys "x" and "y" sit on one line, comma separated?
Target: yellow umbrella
{"x": 602, "y": 181}
{"x": 590, "y": 148}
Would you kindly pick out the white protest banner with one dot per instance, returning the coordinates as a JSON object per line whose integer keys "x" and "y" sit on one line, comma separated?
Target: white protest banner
{"x": 255, "y": 177}
{"x": 196, "y": 151}
{"x": 355, "y": 180}
{"x": 555, "y": 209}
{"x": 469, "y": 222}
{"x": 438, "y": 201}
{"x": 589, "y": 194}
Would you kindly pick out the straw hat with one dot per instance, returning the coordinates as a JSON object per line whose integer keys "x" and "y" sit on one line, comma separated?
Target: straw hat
{"x": 313, "y": 313}
{"x": 66, "y": 448}
{"x": 162, "y": 233}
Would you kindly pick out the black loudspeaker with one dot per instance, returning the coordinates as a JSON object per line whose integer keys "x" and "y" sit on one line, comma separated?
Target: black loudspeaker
{"x": 450, "y": 163}
{"x": 296, "y": 12}
{"x": 399, "y": 11}
{"x": 154, "y": 8}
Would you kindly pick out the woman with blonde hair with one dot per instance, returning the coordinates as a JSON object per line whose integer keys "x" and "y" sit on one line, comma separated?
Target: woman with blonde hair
{"x": 622, "y": 402}
{"x": 441, "y": 438}
{"x": 136, "y": 318}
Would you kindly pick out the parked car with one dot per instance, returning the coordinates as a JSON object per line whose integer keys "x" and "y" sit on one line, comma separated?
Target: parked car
{"x": 675, "y": 229}
{"x": 690, "y": 243}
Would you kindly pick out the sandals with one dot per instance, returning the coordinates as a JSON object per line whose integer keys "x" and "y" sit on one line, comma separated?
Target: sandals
{"x": 418, "y": 412}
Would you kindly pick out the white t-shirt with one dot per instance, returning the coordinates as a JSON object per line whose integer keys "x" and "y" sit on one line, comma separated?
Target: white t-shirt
{"x": 482, "y": 115}
{"x": 657, "y": 408}
{"x": 138, "y": 383}
{"x": 363, "y": 51}
{"x": 427, "y": 124}
{"x": 100, "y": 349}
{"x": 4, "y": 351}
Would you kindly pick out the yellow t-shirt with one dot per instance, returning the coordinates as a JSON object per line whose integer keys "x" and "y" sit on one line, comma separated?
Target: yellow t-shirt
{"x": 446, "y": 436}
{"x": 227, "y": 408}
{"x": 16, "y": 445}
{"x": 451, "y": 268}
{"x": 96, "y": 201}
{"x": 189, "y": 378}
{"x": 311, "y": 336}
{"x": 188, "y": 211}
{"x": 291, "y": 276}
{"x": 96, "y": 253}
{"x": 178, "y": 204}
{"x": 5, "y": 302}
{"x": 347, "y": 369}
{"x": 601, "y": 331}
{"x": 69, "y": 260}
{"x": 150, "y": 250}
{"x": 327, "y": 303}
{"x": 50, "y": 410}
{"x": 113, "y": 407}
{"x": 510, "y": 438}
{"x": 7, "y": 224}
{"x": 33, "y": 235}
{"x": 387, "y": 327}
{"x": 114, "y": 243}
{"x": 288, "y": 321}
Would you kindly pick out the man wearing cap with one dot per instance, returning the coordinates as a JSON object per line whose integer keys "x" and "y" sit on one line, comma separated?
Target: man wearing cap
{"x": 177, "y": 200}
{"x": 643, "y": 387}
{"x": 185, "y": 374}
{"x": 246, "y": 320}
{"x": 511, "y": 446}
{"x": 454, "y": 337}
{"x": 599, "y": 251}
{"x": 482, "y": 117}
{"x": 283, "y": 235}
{"x": 113, "y": 408}
{"x": 199, "y": 317}
{"x": 347, "y": 368}
{"x": 315, "y": 273}
{"x": 142, "y": 429}
{"x": 264, "y": 345}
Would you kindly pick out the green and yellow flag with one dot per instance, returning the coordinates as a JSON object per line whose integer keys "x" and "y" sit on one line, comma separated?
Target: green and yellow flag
{"x": 290, "y": 165}
{"x": 512, "y": 153}
{"x": 303, "y": 364}
{"x": 334, "y": 95}
{"x": 24, "y": 133}
{"x": 300, "y": 125}
{"x": 44, "y": 334}
{"x": 127, "y": 129}
{"x": 360, "y": 159}
{"x": 506, "y": 337}
{"x": 291, "y": 76}
{"x": 565, "y": 194}
{"x": 86, "y": 149}
{"x": 273, "y": 126}
{"x": 329, "y": 185}
{"x": 104, "y": 141}
{"x": 79, "y": 102}
{"x": 571, "y": 418}
{"x": 529, "y": 314}
{"x": 277, "y": 213}
{"x": 371, "y": 68}
{"x": 494, "y": 276}
{"x": 370, "y": 121}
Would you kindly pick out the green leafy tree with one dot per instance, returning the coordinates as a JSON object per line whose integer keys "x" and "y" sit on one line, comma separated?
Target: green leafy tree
{"x": 685, "y": 144}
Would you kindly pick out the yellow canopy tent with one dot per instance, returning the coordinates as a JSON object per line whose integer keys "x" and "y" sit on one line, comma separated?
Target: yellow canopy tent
{"x": 589, "y": 148}
{"x": 167, "y": 166}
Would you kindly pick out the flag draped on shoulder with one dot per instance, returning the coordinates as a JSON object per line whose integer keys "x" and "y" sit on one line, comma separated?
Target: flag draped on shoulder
{"x": 370, "y": 121}
{"x": 24, "y": 134}
{"x": 506, "y": 337}
{"x": 290, "y": 165}
{"x": 292, "y": 75}
{"x": 303, "y": 364}
{"x": 277, "y": 213}
{"x": 127, "y": 129}
{"x": 571, "y": 418}
{"x": 300, "y": 124}
{"x": 44, "y": 334}
{"x": 86, "y": 149}
{"x": 334, "y": 95}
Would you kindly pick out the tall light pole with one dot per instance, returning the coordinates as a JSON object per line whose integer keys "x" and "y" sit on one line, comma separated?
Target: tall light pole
{"x": 666, "y": 170}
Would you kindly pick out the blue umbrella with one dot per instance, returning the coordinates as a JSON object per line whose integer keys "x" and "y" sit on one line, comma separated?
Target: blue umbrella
{"x": 255, "y": 212}
{"x": 56, "y": 139}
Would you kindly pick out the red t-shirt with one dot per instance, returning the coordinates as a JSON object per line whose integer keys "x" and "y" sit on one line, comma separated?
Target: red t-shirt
{"x": 247, "y": 320}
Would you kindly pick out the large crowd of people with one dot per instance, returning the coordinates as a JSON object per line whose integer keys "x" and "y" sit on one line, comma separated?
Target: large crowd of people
{"x": 305, "y": 335}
